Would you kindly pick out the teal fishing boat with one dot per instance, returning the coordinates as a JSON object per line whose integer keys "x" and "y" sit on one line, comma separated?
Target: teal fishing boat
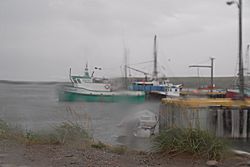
{"x": 91, "y": 89}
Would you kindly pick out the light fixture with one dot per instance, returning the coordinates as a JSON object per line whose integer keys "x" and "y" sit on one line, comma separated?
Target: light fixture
{"x": 230, "y": 2}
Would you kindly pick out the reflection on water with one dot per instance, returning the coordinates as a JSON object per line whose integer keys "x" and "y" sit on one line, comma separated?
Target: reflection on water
{"x": 36, "y": 107}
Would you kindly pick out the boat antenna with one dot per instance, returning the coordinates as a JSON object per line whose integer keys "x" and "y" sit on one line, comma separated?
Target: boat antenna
{"x": 86, "y": 66}
{"x": 86, "y": 71}
{"x": 70, "y": 75}
{"x": 69, "y": 72}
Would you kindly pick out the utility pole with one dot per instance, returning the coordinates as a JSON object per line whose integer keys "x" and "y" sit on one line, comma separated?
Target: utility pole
{"x": 212, "y": 71}
{"x": 241, "y": 70}
{"x": 155, "y": 60}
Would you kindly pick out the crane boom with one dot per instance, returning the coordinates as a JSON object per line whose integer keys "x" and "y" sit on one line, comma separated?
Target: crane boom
{"x": 145, "y": 73}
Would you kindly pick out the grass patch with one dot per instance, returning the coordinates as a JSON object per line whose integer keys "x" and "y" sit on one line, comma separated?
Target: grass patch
{"x": 4, "y": 129}
{"x": 31, "y": 137}
{"x": 69, "y": 132}
{"x": 65, "y": 133}
{"x": 113, "y": 149}
{"x": 75, "y": 133}
{"x": 119, "y": 149}
{"x": 195, "y": 141}
{"x": 99, "y": 145}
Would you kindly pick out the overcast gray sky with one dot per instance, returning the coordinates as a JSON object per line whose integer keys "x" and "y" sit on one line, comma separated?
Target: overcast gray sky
{"x": 42, "y": 39}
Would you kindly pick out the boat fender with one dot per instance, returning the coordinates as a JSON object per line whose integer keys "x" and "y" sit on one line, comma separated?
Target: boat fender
{"x": 107, "y": 86}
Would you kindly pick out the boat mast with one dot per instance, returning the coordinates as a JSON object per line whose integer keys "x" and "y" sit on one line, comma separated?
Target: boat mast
{"x": 126, "y": 67}
{"x": 155, "y": 60}
{"x": 70, "y": 78}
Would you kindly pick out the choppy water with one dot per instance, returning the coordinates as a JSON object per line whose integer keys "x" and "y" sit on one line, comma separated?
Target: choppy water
{"x": 36, "y": 107}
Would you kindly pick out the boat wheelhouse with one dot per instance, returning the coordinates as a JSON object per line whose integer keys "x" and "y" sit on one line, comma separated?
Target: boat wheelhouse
{"x": 158, "y": 88}
{"x": 92, "y": 89}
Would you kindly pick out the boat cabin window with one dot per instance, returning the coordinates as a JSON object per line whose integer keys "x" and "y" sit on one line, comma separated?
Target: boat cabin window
{"x": 98, "y": 80}
{"x": 79, "y": 81}
{"x": 144, "y": 84}
{"x": 75, "y": 80}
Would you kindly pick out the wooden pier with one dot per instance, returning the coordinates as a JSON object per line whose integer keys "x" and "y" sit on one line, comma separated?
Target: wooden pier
{"x": 223, "y": 117}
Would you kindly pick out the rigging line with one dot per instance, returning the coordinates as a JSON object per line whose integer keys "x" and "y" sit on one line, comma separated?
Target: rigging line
{"x": 121, "y": 70}
{"x": 112, "y": 68}
{"x": 162, "y": 69}
{"x": 173, "y": 76}
{"x": 141, "y": 65}
{"x": 142, "y": 62}
{"x": 162, "y": 72}
{"x": 129, "y": 72}
{"x": 168, "y": 72}
{"x": 165, "y": 70}
{"x": 146, "y": 67}
{"x": 168, "y": 69}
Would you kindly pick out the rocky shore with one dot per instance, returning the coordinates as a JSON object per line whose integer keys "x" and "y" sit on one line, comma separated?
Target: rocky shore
{"x": 13, "y": 154}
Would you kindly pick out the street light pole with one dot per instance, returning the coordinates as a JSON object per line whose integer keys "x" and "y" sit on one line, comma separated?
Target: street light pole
{"x": 241, "y": 72}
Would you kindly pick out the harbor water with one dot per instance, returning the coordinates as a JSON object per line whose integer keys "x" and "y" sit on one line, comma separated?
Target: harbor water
{"x": 35, "y": 107}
